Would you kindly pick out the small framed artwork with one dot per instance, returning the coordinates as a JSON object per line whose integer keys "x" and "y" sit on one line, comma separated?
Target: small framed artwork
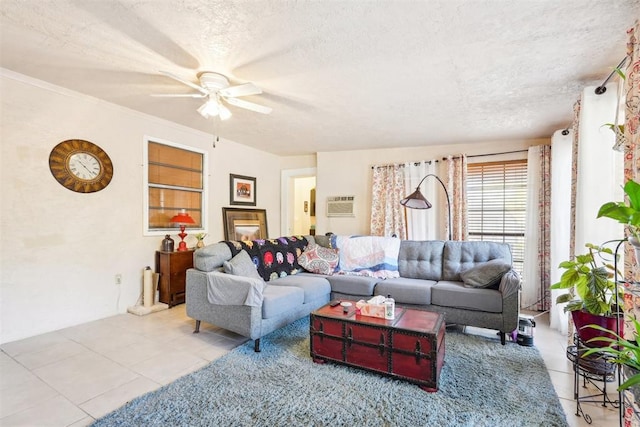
{"x": 245, "y": 224}
{"x": 242, "y": 190}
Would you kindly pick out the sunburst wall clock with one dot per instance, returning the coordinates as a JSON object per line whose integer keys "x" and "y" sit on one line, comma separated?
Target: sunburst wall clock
{"x": 80, "y": 166}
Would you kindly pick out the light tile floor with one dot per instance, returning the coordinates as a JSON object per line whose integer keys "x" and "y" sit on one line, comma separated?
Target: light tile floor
{"x": 72, "y": 376}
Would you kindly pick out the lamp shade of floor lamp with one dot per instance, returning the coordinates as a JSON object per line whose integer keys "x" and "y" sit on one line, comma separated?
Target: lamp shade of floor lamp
{"x": 416, "y": 200}
{"x": 182, "y": 218}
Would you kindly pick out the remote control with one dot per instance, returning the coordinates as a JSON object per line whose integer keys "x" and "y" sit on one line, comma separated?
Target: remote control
{"x": 334, "y": 303}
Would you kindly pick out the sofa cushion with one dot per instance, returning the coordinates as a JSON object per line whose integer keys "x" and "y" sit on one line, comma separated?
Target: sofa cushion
{"x": 421, "y": 259}
{"x": 211, "y": 257}
{"x": 314, "y": 286}
{"x": 406, "y": 291}
{"x": 241, "y": 265}
{"x": 280, "y": 299}
{"x": 485, "y": 275}
{"x": 460, "y": 256}
{"x": 352, "y": 285}
{"x": 318, "y": 259}
{"x": 455, "y": 294}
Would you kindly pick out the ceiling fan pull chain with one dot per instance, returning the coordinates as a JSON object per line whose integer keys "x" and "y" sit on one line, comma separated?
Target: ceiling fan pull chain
{"x": 215, "y": 131}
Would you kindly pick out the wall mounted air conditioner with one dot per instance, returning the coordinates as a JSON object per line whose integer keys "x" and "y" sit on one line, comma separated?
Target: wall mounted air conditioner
{"x": 340, "y": 206}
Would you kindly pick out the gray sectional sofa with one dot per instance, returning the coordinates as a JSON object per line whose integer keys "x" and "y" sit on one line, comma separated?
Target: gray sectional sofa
{"x": 434, "y": 276}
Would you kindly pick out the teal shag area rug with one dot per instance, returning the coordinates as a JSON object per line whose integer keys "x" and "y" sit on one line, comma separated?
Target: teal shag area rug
{"x": 482, "y": 384}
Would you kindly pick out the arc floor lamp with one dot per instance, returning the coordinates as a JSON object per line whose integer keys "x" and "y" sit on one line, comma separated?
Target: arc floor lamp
{"x": 416, "y": 200}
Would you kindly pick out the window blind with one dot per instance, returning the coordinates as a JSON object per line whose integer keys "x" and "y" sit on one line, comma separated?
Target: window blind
{"x": 175, "y": 181}
{"x": 497, "y": 204}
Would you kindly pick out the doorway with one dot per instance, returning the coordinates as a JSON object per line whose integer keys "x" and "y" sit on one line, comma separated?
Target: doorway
{"x": 298, "y": 201}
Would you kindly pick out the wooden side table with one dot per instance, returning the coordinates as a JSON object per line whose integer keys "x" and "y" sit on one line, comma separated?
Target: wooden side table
{"x": 172, "y": 268}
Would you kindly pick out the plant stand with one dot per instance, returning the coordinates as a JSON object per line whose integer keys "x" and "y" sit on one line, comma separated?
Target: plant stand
{"x": 630, "y": 398}
{"x": 593, "y": 369}
{"x": 629, "y": 412}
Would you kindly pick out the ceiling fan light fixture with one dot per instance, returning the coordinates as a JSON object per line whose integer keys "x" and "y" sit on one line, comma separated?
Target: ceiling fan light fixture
{"x": 209, "y": 109}
{"x": 224, "y": 112}
{"x": 216, "y": 89}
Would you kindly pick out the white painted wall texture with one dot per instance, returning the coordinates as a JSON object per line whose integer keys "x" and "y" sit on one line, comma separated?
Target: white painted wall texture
{"x": 61, "y": 250}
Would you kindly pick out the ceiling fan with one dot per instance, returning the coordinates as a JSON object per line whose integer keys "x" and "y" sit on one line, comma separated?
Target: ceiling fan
{"x": 215, "y": 88}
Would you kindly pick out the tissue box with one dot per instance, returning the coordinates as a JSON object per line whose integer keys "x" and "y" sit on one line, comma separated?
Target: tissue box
{"x": 372, "y": 308}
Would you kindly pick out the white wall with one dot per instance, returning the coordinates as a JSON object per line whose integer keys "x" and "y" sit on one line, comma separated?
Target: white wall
{"x": 60, "y": 250}
{"x": 348, "y": 173}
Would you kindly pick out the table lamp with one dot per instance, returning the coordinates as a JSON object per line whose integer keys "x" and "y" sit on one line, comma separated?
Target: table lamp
{"x": 182, "y": 218}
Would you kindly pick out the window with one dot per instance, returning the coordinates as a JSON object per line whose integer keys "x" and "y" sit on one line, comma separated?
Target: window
{"x": 175, "y": 181}
{"x": 497, "y": 204}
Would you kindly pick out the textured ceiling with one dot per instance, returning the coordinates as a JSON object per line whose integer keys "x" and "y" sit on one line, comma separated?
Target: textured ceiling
{"x": 339, "y": 75}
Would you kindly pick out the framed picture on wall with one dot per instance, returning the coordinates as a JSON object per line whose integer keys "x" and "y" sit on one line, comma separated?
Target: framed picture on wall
{"x": 245, "y": 224}
{"x": 242, "y": 190}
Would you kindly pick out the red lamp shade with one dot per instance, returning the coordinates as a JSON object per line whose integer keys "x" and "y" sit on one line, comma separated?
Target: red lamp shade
{"x": 182, "y": 218}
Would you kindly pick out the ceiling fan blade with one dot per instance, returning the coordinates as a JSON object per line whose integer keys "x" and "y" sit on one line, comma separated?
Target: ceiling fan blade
{"x": 241, "y": 90}
{"x": 248, "y": 105}
{"x": 186, "y": 82}
{"x": 179, "y": 95}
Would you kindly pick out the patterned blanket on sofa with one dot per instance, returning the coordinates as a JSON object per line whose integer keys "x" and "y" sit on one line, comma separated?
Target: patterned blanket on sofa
{"x": 274, "y": 257}
{"x": 372, "y": 256}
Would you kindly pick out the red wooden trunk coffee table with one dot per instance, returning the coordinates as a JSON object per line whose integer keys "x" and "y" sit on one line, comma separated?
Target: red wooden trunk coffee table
{"x": 410, "y": 347}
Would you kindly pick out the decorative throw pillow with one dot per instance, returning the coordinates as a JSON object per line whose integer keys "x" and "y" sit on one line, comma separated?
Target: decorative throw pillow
{"x": 241, "y": 265}
{"x": 486, "y": 274}
{"x": 318, "y": 259}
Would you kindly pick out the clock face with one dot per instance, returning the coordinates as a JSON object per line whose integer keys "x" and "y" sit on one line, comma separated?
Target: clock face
{"x": 84, "y": 166}
{"x": 80, "y": 166}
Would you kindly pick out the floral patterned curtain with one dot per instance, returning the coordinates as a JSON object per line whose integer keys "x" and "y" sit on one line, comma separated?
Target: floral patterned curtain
{"x": 387, "y": 214}
{"x": 632, "y": 102}
{"x": 574, "y": 192}
{"x": 456, "y": 187}
{"x": 574, "y": 176}
{"x": 632, "y": 163}
{"x": 631, "y": 127}
{"x": 538, "y": 244}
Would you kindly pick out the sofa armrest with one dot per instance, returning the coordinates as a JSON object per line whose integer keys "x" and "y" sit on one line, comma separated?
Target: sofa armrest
{"x": 510, "y": 283}
{"x": 227, "y": 289}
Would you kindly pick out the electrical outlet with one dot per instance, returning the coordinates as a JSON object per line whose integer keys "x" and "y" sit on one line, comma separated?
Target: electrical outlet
{"x": 118, "y": 279}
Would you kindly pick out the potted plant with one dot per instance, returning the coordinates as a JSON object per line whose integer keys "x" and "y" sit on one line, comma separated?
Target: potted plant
{"x": 624, "y": 352}
{"x": 200, "y": 237}
{"x": 591, "y": 292}
{"x": 627, "y": 213}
